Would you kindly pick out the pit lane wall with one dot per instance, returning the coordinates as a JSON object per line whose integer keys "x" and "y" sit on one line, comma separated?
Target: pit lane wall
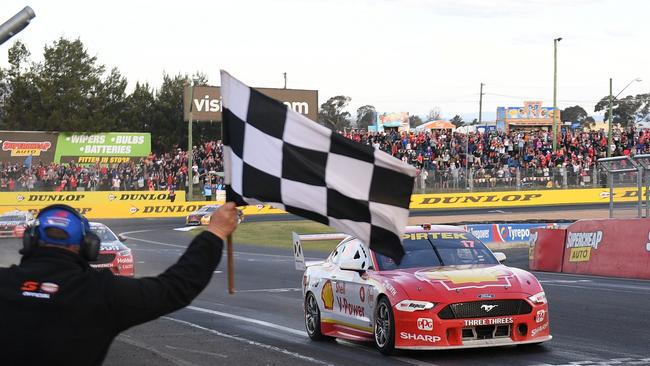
{"x": 143, "y": 204}
{"x": 607, "y": 247}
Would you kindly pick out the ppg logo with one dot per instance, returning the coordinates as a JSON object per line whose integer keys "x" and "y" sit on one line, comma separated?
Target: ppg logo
{"x": 425, "y": 324}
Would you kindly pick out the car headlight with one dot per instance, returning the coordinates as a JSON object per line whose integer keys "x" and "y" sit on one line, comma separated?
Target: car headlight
{"x": 414, "y": 305}
{"x": 538, "y": 299}
{"x": 124, "y": 252}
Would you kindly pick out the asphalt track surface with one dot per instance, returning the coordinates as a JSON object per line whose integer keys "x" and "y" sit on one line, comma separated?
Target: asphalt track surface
{"x": 594, "y": 320}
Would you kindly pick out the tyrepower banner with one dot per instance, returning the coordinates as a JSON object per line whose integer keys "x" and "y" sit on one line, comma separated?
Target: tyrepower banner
{"x": 114, "y": 205}
{"x": 505, "y": 233}
{"x": 103, "y": 148}
{"x": 16, "y": 146}
{"x": 608, "y": 247}
{"x": 520, "y": 198}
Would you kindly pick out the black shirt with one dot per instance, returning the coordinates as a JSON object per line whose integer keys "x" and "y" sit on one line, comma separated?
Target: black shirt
{"x": 56, "y": 310}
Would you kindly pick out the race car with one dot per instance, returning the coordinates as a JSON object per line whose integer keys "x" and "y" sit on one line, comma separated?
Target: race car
{"x": 201, "y": 216}
{"x": 448, "y": 291}
{"x": 204, "y": 214}
{"x": 113, "y": 254}
{"x": 13, "y": 223}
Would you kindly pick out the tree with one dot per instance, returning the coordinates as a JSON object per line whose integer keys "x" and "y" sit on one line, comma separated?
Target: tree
{"x": 415, "y": 121}
{"x": 140, "y": 105}
{"x": 366, "y": 116}
{"x": 434, "y": 114}
{"x": 168, "y": 128}
{"x": 457, "y": 121}
{"x": 576, "y": 114}
{"x": 18, "y": 94}
{"x": 628, "y": 110}
{"x": 332, "y": 114}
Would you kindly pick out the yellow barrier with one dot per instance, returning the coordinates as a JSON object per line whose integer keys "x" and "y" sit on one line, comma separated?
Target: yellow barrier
{"x": 145, "y": 204}
{"x": 520, "y": 198}
{"x": 118, "y": 204}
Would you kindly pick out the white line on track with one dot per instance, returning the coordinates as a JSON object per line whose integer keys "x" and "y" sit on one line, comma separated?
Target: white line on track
{"x": 251, "y": 342}
{"x": 263, "y": 323}
{"x": 125, "y": 234}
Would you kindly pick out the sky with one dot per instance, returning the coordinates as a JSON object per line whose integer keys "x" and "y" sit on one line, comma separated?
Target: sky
{"x": 397, "y": 55}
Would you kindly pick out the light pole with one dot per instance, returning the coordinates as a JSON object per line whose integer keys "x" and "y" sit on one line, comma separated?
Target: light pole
{"x": 189, "y": 144}
{"x": 611, "y": 115}
{"x": 555, "y": 41}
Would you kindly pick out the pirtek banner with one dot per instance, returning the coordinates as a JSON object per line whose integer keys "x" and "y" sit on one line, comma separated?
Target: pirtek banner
{"x": 207, "y": 102}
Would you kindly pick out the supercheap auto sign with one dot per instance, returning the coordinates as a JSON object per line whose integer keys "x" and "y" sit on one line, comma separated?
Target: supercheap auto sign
{"x": 84, "y": 148}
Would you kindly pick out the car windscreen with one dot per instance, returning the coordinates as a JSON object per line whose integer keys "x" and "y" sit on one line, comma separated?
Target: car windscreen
{"x": 105, "y": 235}
{"x": 205, "y": 209}
{"x": 12, "y": 218}
{"x": 439, "y": 249}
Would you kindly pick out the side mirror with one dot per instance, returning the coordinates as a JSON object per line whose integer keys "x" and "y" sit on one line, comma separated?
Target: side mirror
{"x": 352, "y": 265}
{"x": 500, "y": 256}
{"x": 121, "y": 238}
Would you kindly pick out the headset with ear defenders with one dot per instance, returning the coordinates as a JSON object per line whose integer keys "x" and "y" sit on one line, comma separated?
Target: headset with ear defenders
{"x": 90, "y": 242}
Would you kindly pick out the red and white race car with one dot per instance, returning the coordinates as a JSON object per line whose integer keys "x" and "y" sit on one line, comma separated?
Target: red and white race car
{"x": 449, "y": 291}
{"x": 113, "y": 254}
{"x": 13, "y": 223}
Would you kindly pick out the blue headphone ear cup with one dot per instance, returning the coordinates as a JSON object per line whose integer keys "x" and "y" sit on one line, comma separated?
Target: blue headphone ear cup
{"x": 90, "y": 246}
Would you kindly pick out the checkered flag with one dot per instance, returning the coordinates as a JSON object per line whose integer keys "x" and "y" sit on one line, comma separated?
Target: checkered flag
{"x": 277, "y": 156}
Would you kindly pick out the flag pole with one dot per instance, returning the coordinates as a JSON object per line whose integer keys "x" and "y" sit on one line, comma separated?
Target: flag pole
{"x": 231, "y": 262}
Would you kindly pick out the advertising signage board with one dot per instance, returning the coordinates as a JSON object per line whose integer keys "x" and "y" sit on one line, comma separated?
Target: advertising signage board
{"x": 206, "y": 104}
{"x": 82, "y": 148}
{"x": 102, "y": 147}
{"x": 16, "y": 146}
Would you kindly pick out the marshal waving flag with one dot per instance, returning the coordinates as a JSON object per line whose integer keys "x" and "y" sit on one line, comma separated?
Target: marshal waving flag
{"x": 277, "y": 156}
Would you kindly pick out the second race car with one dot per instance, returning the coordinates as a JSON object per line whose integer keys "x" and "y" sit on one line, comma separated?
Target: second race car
{"x": 201, "y": 216}
{"x": 113, "y": 254}
{"x": 449, "y": 291}
{"x": 13, "y": 223}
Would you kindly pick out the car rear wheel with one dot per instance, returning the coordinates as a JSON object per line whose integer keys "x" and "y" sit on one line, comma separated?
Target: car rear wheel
{"x": 312, "y": 318}
{"x": 384, "y": 327}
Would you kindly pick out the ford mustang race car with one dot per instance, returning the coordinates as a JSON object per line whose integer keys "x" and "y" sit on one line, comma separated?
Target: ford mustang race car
{"x": 201, "y": 216}
{"x": 13, "y": 223}
{"x": 449, "y": 291}
{"x": 113, "y": 255}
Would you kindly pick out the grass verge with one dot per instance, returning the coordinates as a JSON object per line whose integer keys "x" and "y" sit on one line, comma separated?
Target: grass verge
{"x": 278, "y": 234}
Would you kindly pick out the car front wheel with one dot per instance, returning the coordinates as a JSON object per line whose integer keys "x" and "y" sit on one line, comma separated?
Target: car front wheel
{"x": 312, "y": 318}
{"x": 384, "y": 327}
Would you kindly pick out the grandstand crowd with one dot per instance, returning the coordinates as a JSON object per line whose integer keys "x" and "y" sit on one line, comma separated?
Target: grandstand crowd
{"x": 443, "y": 160}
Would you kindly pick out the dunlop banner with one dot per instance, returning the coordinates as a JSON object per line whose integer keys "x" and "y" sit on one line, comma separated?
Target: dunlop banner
{"x": 142, "y": 204}
{"x": 520, "y": 198}
{"x": 118, "y": 204}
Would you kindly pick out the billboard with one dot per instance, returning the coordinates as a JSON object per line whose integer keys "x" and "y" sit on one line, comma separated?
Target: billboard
{"x": 206, "y": 101}
{"x": 102, "y": 147}
{"x": 399, "y": 120}
{"x": 83, "y": 148}
{"x": 530, "y": 111}
{"x": 16, "y": 146}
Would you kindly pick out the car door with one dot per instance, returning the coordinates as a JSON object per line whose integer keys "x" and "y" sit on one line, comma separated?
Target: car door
{"x": 351, "y": 288}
